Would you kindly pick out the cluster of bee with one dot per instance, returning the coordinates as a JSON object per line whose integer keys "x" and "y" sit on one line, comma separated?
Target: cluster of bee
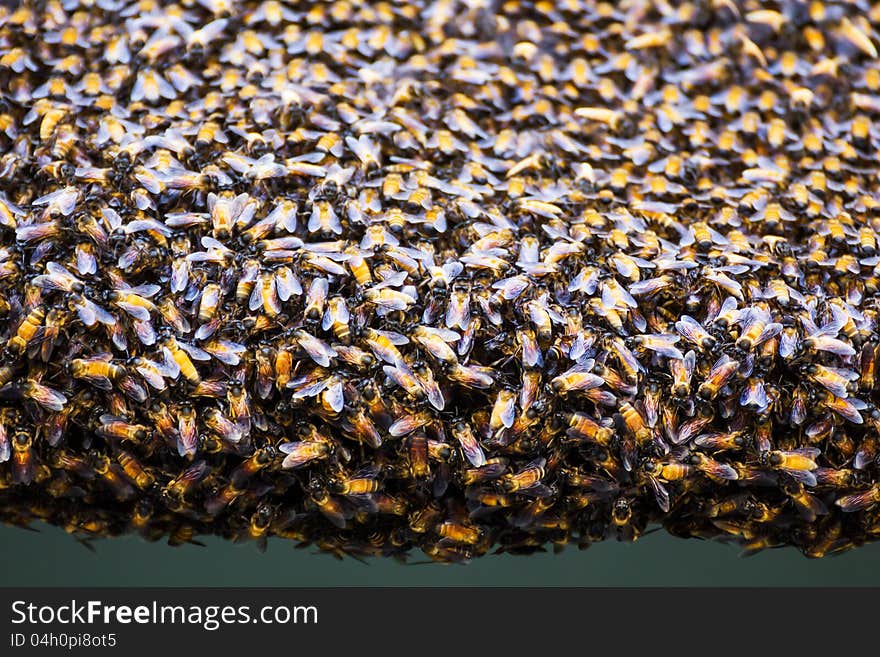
{"x": 450, "y": 276}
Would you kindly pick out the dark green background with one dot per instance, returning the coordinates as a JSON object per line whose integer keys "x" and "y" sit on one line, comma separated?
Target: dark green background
{"x": 51, "y": 557}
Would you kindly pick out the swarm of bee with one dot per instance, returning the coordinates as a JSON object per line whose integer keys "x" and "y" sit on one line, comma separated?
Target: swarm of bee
{"x": 451, "y": 276}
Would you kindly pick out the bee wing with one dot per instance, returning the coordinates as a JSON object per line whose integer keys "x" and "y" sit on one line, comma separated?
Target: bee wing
{"x": 317, "y": 349}
{"x": 311, "y": 390}
{"x": 387, "y": 299}
{"x": 405, "y": 425}
{"x": 750, "y": 316}
{"x": 810, "y": 452}
{"x": 152, "y": 375}
{"x": 255, "y": 301}
{"x": 664, "y": 346}
{"x": 185, "y": 219}
{"x": 171, "y": 367}
{"x": 661, "y": 495}
{"x": 726, "y": 283}
{"x": 269, "y": 297}
{"x": 805, "y": 477}
{"x": 225, "y": 351}
{"x": 723, "y": 361}
{"x": 788, "y": 345}
{"x": 433, "y": 392}
{"x": 400, "y": 374}
{"x": 847, "y": 374}
{"x": 136, "y": 311}
{"x": 690, "y": 362}
{"x": 538, "y": 490}
{"x": 296, "y": 455}
{"x": 600, "y": 485}
{"x": 647, "y": 286}
{"x": 690, "y": 329}
{"x": 603, "y": 397}
{"x": 284, "y": 216}
{"x": 335, "y": 396}
{"x": 194, "y": 473}
{"x": 771, "y": 330}
{"x": 61, "y": 272}
{"x": 211, "y": 243}
{"x": 205, "y": 331}
{"x": 849, "y": 409}
{"x": 145, "y": 332}
{"x": 719, "y": 470}
{"x": 531, "y": 353}
{"x": 838, "y": 320}
{"x": 46, "y": 397}
{"x": 287, "y": 284}
{"x": 727, "y": 306}
{"x": 86, "y": 263}
{"x": 194, "y": 351}
{"x": 513, "y": 287}
{"x": 327, "y": 321}
{"x": 179, "y": 275}
{"x": 712, "y": 440}
{"x": 585, "y": 380}
{"x": 187, "y": 440}
{"x": 452, "y": 270}
{"x": 856, "y": 501}
{"x": 754, "y": 395}
{"x": 457, "y": 313}
{"x": 833, "y": 345}
{"x": 334, "y": 514}
{"x": 101, "y": 382}
{"x": 447, "y": 335}
{"x": 472, "y": 450}
{"x": 507, "y": 412}
{"x": 396, "y": 339}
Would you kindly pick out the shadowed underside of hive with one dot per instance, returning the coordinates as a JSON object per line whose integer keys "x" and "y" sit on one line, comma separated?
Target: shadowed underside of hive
{"x": 442, "y": 276}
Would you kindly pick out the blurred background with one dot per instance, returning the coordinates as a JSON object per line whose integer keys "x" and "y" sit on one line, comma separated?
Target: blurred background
{"x": 51, "y": 557}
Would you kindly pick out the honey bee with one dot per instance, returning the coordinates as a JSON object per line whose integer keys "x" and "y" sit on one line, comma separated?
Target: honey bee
{"x": 578, "y": 378}
{"x": 113, "y": 427}
{"x": 133, "y": 469}
{"x": 301, "y": 453}
{"x": 360, "y": 483}
{"x": 329, "y": 506}
{"x": 261, "y": 459}
{"x": 582, "y": 426}
{"x": 682, "y": 373}
{"x": 179, "y": 356}
{"x": 23, "y": 458}
{"x": 470, "y": 447}
{"x": 98, "y": 371}
{"x": 336, "y": 318}
{"x": 43, "y": 396}
{"x": 721, "y": 372}
{"x": 316, "y": 297}
{"x": 187, "y": 438}
{"x": 526, "y": 480}
{"x": 113, "y": 475}
{"x": 453, "y": 532}
{"x": 712, "y": 468}
{"x": 28, "y": 331}
{"x": 798, "y": 463}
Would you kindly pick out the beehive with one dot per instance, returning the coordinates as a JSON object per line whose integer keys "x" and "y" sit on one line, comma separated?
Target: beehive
{"x": 442, "y": 276}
